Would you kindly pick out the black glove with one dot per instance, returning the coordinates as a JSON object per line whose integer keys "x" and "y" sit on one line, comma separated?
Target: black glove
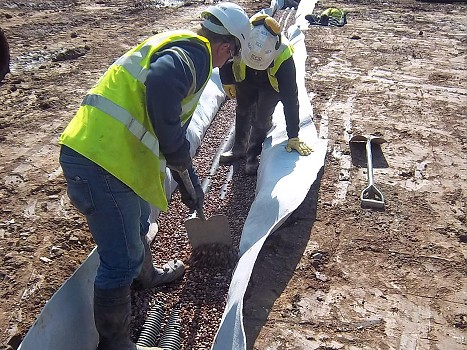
{"x": 191, "y": 203}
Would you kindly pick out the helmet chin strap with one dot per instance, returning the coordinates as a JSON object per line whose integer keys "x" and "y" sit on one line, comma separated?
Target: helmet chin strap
{"x": 279, "y": 42}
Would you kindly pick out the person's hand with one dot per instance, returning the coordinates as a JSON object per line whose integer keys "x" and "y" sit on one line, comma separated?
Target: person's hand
{"x": 230, "y": 90}
{"x": 301, "y": 147}
{"x": 189, "y": 201}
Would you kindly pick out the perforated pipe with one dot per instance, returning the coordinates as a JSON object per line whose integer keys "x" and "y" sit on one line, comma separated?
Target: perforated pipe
{"x": 152, "y": 326}
{"x": 171, "y": 338}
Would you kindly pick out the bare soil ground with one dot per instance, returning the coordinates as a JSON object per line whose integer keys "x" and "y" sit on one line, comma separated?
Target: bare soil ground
{"x": 335, "y": 276}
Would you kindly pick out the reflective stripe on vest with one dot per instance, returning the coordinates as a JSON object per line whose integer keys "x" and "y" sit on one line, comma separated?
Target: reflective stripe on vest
{"x": 132, "y": 62}
{"x": 124, "y": 117}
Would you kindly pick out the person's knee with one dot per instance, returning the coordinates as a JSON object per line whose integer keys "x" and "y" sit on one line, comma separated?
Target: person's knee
{"x": 242, "y": 112}
{"x": 262, "y": 124}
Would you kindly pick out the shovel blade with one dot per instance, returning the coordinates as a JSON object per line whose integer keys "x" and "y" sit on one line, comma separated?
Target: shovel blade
{"x": 215, "y": 230}
{"x": 358, "y": 138}
{"x": 373, "y": 139}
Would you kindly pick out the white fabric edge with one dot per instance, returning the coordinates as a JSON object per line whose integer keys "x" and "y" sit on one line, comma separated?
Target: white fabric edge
{"x": 67, "y": 319}
{"x": 304, "y": 8}
{"x": 283, "y": 182}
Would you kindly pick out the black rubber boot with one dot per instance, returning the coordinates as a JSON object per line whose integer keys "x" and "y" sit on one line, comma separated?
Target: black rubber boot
{"x": 237, "y": 151}
{"x": 231, "y": 156}
{"x": 258, "y": 134}
{"x": 251, "y": 165}
{"x": 253, "y": 152}
{"x": 112, "y": 316}
{"x": 151, "y": 276}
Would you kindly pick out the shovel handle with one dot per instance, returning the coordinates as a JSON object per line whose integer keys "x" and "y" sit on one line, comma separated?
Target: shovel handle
{"x": 371, "y": 196}
{"x": 369, "y": 162}
{"x": 191, "y": 190}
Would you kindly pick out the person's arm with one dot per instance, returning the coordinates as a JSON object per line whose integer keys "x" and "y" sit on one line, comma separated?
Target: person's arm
{"x": 286, "y": 78}
{"x": 228, "y": 79}
{"x": 226, "y": 73}
{"x": 168, "y": 82}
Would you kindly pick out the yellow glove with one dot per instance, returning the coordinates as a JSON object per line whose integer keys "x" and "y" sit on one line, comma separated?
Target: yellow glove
{"x": 300, "y": 146}
{"x": 230, "y": 90}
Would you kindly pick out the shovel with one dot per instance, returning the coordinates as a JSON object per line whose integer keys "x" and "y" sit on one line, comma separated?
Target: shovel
{"x": 201, "y": 232}
{"x": 371, "y": 196}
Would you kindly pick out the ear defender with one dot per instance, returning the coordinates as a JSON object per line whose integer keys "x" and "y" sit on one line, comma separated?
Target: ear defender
{"x": 270, "y": 24}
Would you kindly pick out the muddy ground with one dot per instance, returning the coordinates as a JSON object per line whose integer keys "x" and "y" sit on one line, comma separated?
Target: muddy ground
{"x": 336, "y": 275}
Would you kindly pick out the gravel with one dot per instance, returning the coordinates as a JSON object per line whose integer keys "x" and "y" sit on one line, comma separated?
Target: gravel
{"x": 202, "y": 293}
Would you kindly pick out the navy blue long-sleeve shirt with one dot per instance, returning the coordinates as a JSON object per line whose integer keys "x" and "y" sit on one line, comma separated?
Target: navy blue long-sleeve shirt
{"x": 288, "y": 91}
{"x": 167, "y": 84}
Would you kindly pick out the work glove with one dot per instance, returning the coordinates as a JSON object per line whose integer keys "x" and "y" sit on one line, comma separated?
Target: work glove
{"x": 187, "y": 199}
{"x": 300, "y": 146}
{"x": 230, "y": 90}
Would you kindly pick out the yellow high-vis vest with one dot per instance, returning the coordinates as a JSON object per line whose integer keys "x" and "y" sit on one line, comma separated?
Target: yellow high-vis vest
{"x": 285, "y": 52}
{"x": 112, "y": 127}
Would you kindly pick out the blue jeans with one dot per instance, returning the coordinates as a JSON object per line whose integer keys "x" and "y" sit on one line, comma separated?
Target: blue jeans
{"x": 117, "y": 218}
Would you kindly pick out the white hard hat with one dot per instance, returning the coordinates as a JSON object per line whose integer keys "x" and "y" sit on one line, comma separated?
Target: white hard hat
{"x": 263, "y": 43}
{"x": 233, "y": 18}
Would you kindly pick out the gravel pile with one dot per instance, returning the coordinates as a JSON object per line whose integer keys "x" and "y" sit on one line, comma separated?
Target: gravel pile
{"x": 208, "y": 255}
{"x": 202, "y": 293}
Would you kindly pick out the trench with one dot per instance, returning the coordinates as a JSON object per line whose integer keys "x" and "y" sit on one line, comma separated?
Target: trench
{"x": 208, "y": 300}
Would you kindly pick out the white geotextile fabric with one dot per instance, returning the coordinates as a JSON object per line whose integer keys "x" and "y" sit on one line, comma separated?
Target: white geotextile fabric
{"x": 283, "y": 181}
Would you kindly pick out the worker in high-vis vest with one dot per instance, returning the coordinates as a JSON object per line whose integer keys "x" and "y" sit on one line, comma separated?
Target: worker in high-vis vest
{"x": 130, "y": 126}
{"x": 264, "y": 75}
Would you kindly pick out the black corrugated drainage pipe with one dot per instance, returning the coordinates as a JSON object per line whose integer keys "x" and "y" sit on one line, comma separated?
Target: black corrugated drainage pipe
{"x": 152, "y": 327}
{"x": 171, "y": 338}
